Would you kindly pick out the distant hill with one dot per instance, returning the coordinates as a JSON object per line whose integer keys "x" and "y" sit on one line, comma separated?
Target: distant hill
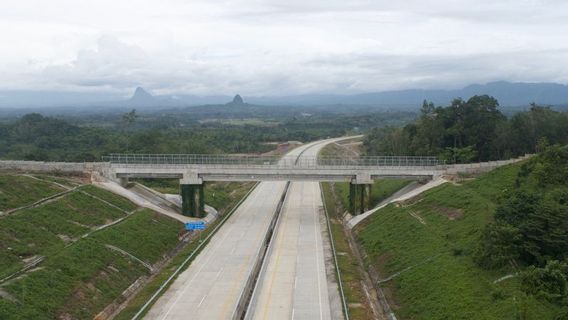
{"x": 237, "y": 100}
{"x": 142, "y": 97}
{"x": 508, "y": 94}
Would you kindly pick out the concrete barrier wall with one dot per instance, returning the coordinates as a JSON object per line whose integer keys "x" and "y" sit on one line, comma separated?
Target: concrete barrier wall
{"x": 247, "y": 294}
{"x": 482, "y": 167}
{"x": 42, "y": 166}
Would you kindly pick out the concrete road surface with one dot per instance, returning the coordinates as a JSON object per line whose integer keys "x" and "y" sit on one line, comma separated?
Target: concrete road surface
{"x": 212, "y": 285}
{"x": 210, "y": 288}
{"x": 293, "y": 282}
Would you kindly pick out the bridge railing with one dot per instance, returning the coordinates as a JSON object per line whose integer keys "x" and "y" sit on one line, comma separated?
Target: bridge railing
{"x": 176, "y": 160}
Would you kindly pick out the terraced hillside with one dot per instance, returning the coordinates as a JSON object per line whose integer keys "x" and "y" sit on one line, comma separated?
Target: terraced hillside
{"x": 423, "y": 251}
{"x": 19, "y": 190}
{"x": 72, "y": 255}
{"x": 70, "y": 250}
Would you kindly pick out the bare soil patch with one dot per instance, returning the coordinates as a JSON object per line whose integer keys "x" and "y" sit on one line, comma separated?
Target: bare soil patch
{"x": 450, "y": 213}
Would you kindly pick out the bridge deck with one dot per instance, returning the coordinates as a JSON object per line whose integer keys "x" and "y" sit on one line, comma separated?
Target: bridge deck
{"x": 260, "y": 168}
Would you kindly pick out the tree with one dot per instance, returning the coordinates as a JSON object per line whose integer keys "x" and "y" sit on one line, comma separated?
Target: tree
{"x": 550, "y": 282}
{"x": 531, "y": 224}
{"x": 128, "y": 120}
{"x": 499, "y": 245}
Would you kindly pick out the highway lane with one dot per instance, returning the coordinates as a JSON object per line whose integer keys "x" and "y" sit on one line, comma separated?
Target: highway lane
{"x": 293, "y": 283}
{"x": 211, "y": 286}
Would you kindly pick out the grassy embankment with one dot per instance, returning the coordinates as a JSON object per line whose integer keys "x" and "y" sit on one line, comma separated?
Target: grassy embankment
{"x": 17, "y": 191}
{"x": 74, "y": 276}
{"x": 430, "y": 240}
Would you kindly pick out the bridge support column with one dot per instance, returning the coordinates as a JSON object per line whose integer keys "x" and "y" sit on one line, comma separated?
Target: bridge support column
{"x": 123, "y": 182}
{"x": 192, "y": 196}
{"x": 360, "y": 194}
{"x": 359, "y": 198}
{"x": 192, "y": 203}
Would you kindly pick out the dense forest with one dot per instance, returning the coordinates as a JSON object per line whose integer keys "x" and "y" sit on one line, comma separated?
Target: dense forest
{"x": 472, "y": 130}
{"x": 34, "y": 137}
{"x": 37, "y": 137}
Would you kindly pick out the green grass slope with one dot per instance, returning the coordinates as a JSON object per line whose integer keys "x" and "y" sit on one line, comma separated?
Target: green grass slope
{"x": 81, "y": 271}
{"x": 82, "y": 268}
{"x": 18, "y": 190}
{"x": 81, "y": 279}
{"x": 48, "y": 228}
{"x": 429, "y": 242}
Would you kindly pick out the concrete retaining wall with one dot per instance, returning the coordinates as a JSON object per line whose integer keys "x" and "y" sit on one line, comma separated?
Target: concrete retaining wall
{"x": 42, "y": 166}
{"x": 482, "y": 167}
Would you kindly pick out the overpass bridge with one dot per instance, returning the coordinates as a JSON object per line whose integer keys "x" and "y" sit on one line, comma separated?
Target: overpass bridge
{"x": 200, "y": 168}
{"x": 193, "y": 170}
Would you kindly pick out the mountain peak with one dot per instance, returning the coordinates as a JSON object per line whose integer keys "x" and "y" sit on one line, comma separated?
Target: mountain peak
{"x": 141, "y": 95}
{"x": 238, "y": 100}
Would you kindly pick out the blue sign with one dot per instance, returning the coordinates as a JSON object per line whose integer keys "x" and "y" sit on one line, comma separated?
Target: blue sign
{"x": 197, "y": 225}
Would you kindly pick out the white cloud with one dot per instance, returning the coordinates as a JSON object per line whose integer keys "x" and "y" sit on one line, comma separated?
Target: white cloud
{"x": 279, "y": 47}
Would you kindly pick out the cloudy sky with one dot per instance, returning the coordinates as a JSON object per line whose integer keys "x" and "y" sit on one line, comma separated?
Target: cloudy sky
{"x": 280, "y": 47}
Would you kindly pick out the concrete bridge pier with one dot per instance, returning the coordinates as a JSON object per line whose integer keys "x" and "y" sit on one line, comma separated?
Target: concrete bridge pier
{"x": 123, "y": 181}
{"x": 192, "y": 196}
{"x": 360, "y": 194}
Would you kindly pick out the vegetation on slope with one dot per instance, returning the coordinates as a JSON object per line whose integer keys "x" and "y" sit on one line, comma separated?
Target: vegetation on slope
{"x": 57, "y": 262}
{"x": 19, "y": 190}
{"x": 109, "y": 197}
{"x": 80, "y": 280}
{"x": 531, "y": 229}
{"x": 46, "y": 229}
{"x": 426, "y": 250}
{"x": 53, "y": 261}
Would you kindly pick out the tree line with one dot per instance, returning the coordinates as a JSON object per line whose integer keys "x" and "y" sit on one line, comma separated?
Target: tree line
{"x": 37, "y": 137}
{"x": 470, "y": 131}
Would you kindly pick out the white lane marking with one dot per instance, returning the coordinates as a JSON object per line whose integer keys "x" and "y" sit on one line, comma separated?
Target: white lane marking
{"x": 191, "y": 280}
{"x": 219, "y": 273}
{"x": 179, "y": 294}
{"x": 293, "y": 313}
{"x": 200, "y": 302}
